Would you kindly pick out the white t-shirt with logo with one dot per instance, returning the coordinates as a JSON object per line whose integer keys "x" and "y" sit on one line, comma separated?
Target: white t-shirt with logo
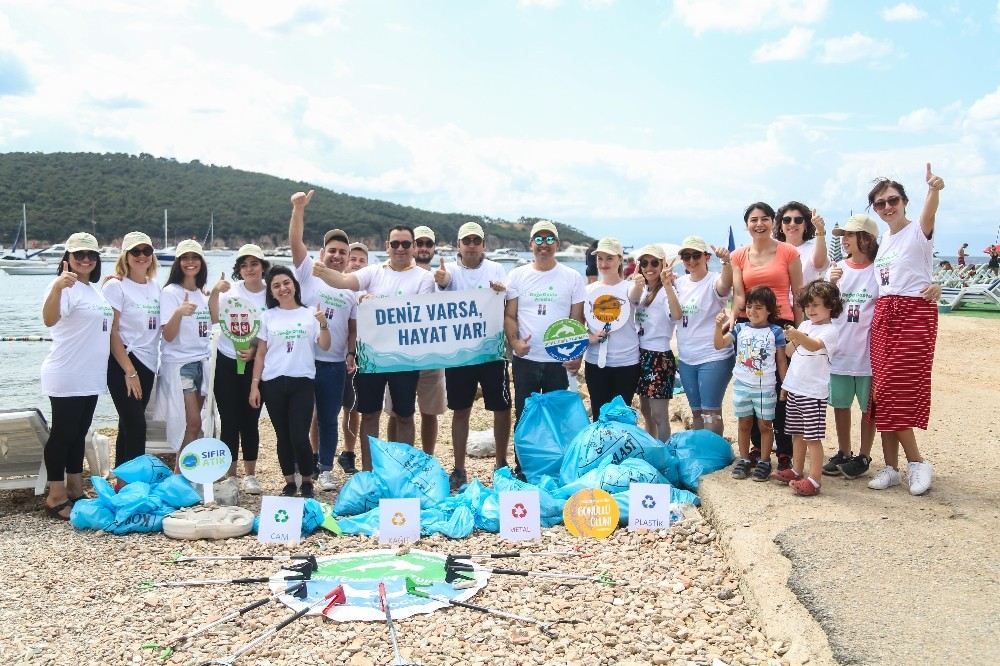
{"x": 290, "y": 336}
{"x": 77, "y": 363}
{"x": 756, "y": 349}
{"x": 903, "y": 263}
{"x": 809, "y": 271}
{"x": 542, "y": 298}
{"x": 192, "y": 340}
{"x": 239, "y": 290}
{"x": 859, "y": 289}
{"x": 381, "y": 280}
{"x": 339, "y": 305}
{"x": 138, "y": 307}
{"x": 474, "y": 278}
{"x": 809, "y": 372}
{"x": 623, "y": 344}
{"x": 696, "y": 330}
{"x": 654, "y": 324}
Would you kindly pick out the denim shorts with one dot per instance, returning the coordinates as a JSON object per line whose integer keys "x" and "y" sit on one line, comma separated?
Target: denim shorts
{"x": 192, "y": 376}
{"x": 705, "y": 384}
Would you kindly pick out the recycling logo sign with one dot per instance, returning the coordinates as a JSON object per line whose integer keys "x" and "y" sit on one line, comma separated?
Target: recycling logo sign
{"x": 398, "y": 519}
{"x": 566, "y": 340}
{"x": 648, "y": 502}
{"x": 281, "y": 516}
{"x": 519, "y": 511}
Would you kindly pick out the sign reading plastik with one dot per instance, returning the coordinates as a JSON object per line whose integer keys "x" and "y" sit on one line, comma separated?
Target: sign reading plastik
{"x": 426, "y": 331}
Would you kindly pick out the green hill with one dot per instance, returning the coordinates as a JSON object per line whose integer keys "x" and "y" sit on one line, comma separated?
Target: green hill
{"x": 64, "y": 192}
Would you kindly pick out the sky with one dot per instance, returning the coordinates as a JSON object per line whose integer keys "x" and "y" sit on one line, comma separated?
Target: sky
{"x": 646, "y": 120}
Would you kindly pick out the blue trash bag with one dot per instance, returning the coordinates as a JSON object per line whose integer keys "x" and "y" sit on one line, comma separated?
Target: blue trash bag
{"x": 91, "y": 514}
{"x": 361, "y": 493}
{"x": 548, "y": 423}
{"x": 550, "y": 506}
{"x": 312, "y": 517}
{"x": 613, "y": 438}
{"x": 482, "y": 502}
{"x": 456, "y": 524}
{"x": 105, "y": 492}
{"x": 134, "y": 498}
{"x": 176, "y": 491}
{"x": 613, "y": 478}
{"x": 407, "y": 472}
{"x": 146, "y": 468}
{"x": 146, "y": 521}
{"x": 699, "y": 452}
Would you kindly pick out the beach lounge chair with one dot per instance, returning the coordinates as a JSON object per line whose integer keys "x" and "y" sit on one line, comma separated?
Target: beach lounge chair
{"x": 979, "y": 293}
{"x": 23, "y": 433}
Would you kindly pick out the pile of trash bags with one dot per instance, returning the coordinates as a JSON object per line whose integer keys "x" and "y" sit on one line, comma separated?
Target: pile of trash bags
{"x": 560, "y": 453}
{"x": 152, "y": 492}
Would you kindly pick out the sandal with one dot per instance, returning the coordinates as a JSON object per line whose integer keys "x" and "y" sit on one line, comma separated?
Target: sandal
{"x": 741, "y": 469}
{"x": 761, "y": 471}
{"x": 56, "y": 511}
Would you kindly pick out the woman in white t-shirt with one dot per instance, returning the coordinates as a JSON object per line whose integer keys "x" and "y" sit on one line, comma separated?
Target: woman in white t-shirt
{"x": 74, "y": 372}
{"x": 656, "y": 311}
{"x": 135, "y": 341}
{"x": 804, "y": 228}
{"x": 186, "y": 322}
{"x": 239, "y": 420}
{"x": 705, "y": 371}
{"x": 620, "y": 374}
{"x": 284, "y": 373}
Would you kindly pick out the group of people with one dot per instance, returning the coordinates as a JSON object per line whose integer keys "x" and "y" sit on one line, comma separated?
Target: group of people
{"x": 802, "y": 333}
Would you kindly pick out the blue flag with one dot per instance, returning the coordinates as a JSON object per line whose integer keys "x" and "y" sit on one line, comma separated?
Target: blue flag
{"x": 732, "y": 241}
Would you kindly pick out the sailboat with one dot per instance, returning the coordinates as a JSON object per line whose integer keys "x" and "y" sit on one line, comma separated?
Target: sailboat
{"x": 209, "y": 241}
{"x": 22, "y": 263}
{"x": 166, "y": 255}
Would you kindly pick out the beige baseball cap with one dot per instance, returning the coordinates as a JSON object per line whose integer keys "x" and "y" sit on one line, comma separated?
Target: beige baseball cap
{"x": 423, "y": 232}
{"x": 135, "y": 239}
{"x": 250, "y": 250}
{"x": 651, "y": 250}
{"x": 81, "y": 241}
{"x": 189, "y": 245}
{"x": 544, "y": 225}
{"x": 336, "y": 234}
{"x": 694, "y": 243}
{"x": 609, "y": 246}
{"x": 856, "y": 223}
{"x": 470, "y": 229}
{"x": 357, "y": 246}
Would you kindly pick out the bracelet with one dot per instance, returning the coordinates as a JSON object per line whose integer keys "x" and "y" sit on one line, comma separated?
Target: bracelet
{"x": 323, "y": 327}
{"x": 133, "y": 375}
{"x": 821, "y": 235}
{"x": 352, "y": 353}
{"x": 255, "y": 379}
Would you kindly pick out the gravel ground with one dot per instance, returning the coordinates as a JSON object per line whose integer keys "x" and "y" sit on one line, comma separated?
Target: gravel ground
{"x": 72, "y": 598}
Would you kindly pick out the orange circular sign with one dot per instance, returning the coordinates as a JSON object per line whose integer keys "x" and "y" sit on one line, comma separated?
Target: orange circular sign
{"x": 607, "y": 308}
{"x": 591, "y": 513}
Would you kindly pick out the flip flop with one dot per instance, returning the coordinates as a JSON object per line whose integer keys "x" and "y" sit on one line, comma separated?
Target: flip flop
{"x": 54, "y": 511}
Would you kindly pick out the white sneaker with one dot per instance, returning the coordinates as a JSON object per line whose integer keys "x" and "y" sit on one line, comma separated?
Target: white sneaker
{"x": 918, "y": 475}
{"x": 251, "y": 486}
{"x": 886, "y": 478}
{"x": 326, "y": 481}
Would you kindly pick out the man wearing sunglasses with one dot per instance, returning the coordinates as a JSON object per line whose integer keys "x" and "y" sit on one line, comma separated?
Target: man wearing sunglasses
{"x": 538, "y": 294}
{"x": 398, "y": 276}
{"x": 430, "y": 387}
{"x": 473, "y": 270}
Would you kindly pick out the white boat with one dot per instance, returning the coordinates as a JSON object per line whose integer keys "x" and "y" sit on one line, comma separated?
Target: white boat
{"x": 446, "y": 251}
{"x": 209, "y": 241}
{"x": 29, "y": 267}
{"x": 573, "y": 253}
{"x": 109, "y": 254}
{"x": 166, "y": 255}
{"x": 505, "y": 255}
{"x": 280, "y": 255}
{"x": 21, "y": 259}
{"x": 53, "y": 251}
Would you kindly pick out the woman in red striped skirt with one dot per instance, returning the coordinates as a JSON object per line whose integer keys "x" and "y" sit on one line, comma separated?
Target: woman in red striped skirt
{"x": 903, "y": 331}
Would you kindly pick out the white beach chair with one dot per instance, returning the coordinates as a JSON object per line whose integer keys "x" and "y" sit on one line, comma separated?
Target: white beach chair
{"x": 23, "y": 433}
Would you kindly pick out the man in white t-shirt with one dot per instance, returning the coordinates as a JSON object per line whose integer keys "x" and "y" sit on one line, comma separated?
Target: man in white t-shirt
{"x": 430, "y": 387}
{"x": 537, "y": 295}
{"x": 398, "y": 276}
{"x": 473, "y": 270}
{"x": 340, "y": 306}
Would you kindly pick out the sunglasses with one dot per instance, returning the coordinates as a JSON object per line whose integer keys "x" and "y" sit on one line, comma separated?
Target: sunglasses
{"x": 688, "y": 256}
{"x": 793, "y": 220}
{"x": 144, "y": 251}
{"x": 472, "y": 240}
{"x": 425, "y": 243}
{"x": 83, "y": 255}
{"x": 395, "y": 245}
{"x": 655, "y": 263}
{"x": 547, "y": 240}
{"x": 879, "y": 204}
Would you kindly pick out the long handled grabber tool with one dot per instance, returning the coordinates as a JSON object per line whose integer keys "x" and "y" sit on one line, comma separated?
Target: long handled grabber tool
{"x": 177, "y": 558}
{"x": 331, "y": 598}
{"x": 298, "y": 590}
{"x": 516, "y": 553}
{"x": 454, "y": 572}
{"x": 544, "y": 627}
{"x": 397, "y": 658}
{"x": 299, "y": 575}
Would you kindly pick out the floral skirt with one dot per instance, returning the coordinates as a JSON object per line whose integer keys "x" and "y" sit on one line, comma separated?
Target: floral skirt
{"x": 656, "y": 374}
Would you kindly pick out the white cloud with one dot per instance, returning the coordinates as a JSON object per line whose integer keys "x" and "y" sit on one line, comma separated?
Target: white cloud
{"x": 920, "y": 120}
{"x": 746, "y": 15}
{"x": 904, "y": 11}
{"x": 544, "y": 4}
{"x": 311, "y": 17}
{"x": 793, "y": 46}
{"x": 854, "y": 48}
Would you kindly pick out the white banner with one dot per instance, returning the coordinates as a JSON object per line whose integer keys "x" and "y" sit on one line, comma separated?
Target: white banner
{"x": 446, "y": 329}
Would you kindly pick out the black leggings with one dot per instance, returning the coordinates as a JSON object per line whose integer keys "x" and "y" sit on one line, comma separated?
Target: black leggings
{"x": 131, "y": 441}
{"x": 605, "y": 383}
{"x": 289, "y": 402}
{"x": 71, "y": 418}
{"x": 239, "y": 419}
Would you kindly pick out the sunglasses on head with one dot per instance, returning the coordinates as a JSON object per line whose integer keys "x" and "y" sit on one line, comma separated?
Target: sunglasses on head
{"x": 788, "y": 219}
{"x": 143, "y": 251}
{"x": 395, "y": 245}
{"x": 472, "y": 240}
{"x": 424, "y": 243}
{"x": 83, "y": 255}
{"x": 547, "y": 240}
{"x": 655, "y": 263}
{"x": 879, "y": 204}
{"x": 688, "y": 256}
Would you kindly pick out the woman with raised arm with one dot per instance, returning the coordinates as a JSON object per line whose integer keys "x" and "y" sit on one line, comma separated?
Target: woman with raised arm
{"x": 805, "y": 230}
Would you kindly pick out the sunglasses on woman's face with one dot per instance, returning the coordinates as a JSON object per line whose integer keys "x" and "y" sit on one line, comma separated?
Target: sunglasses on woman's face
{"x": 425, "y": 243}
{"x": 144, "y": 251}
{"x": 395, "y": 245}
{"x": 472, "y": 240}
{"x": 655, "y": 263}
{"x": 83, "y": 255}
{"x": 793, "y": 220}
{"x": 547, "y": 240}
{"x": 879, "y": 204}
{"x": 689, "y": 256}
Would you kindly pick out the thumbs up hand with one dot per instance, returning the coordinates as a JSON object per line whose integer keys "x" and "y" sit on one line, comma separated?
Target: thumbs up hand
{"x": 934, "y": 182}
{"x": 320, "y": 316}
{"x": 302, "y": 199}
{"x": 222, "y": 286}
{"x": 67, "y": 278}
{"x": 441, "y": 275}
{"x": 836, "y": 272}
{"x": 818, "y": 222}
{"x": 188, "y": 307}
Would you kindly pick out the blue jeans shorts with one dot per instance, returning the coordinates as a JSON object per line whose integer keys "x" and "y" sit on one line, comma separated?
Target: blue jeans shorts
{"x": 705, "y": 384}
